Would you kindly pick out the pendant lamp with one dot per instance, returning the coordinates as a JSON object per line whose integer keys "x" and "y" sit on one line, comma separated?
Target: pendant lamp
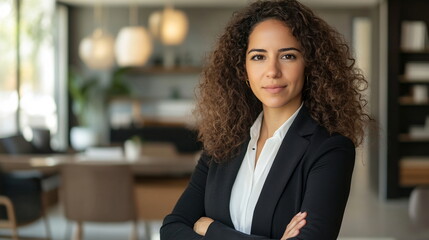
{"x": 169, "y": 25}
{"x": 133, "y": 44}
{"x": 96, "y": 50}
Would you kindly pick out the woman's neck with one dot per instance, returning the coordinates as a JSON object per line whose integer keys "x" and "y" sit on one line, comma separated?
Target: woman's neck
{"x": 275, "y": 117}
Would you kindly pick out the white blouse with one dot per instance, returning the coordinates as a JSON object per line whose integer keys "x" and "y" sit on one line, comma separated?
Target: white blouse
{"x": 250, "y": 178}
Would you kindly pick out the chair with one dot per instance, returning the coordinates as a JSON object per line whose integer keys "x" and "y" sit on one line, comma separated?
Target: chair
{"x": 41, "y": 140}
{"x": 21, "y": 202}
{"x": 97, "y": 192}
{"x": 10, "y": 221}
{"x": 16, "y": 144}
{"x": 23, "y": 192}
{"x": 40, "y": 144}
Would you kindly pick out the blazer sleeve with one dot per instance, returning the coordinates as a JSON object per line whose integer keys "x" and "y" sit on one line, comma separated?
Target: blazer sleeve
{"x": 190, "y": 207}
{"x": 327, "y": 189}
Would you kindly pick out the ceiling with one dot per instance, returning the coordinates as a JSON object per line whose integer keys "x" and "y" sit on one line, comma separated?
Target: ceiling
{"x": 218, "y": 3}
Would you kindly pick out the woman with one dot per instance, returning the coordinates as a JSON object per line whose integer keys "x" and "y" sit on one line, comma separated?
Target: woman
{"x": 280, "y": 113}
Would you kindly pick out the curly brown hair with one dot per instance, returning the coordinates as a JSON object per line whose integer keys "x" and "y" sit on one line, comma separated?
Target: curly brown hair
{"x": 227, "y": 108}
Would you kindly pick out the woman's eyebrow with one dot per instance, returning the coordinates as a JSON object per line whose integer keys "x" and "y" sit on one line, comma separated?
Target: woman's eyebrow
{"x": 289, "y": 49}
{"x": 280, "y": 50}
{"x": 256, "y": 50}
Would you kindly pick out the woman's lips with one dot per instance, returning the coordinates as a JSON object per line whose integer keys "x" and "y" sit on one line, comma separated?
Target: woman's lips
{"x": 274, "y": 88}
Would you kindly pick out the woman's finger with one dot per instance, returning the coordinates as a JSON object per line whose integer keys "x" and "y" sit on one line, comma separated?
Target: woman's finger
{"x": 296, "y": 228}
{"x": 295, "y": 220}
{"x": 293, "y": 228}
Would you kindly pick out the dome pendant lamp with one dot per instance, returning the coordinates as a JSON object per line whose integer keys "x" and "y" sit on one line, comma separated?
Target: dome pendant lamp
{"x": 133, "y": 44}
{"x": 96, "y": 50}
{"x": 169, "y": 25}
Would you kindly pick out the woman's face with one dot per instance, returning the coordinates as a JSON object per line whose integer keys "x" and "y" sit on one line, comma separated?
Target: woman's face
{"x": 275, "y": 65}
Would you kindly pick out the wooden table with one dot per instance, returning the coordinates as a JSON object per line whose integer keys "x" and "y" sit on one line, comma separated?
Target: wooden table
{"x": 156, "y": 160}
{"x": 160, "y": 172}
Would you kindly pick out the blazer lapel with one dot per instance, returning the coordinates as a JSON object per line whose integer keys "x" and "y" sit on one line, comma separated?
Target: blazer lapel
{"x": 289, "y": 155}
{"x": 228, "y": 171}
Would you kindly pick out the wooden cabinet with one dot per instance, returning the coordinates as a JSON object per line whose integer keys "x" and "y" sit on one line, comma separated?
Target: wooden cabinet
{"x": 408, "y": 148}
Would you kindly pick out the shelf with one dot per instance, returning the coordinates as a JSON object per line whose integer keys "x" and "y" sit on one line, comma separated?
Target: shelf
{"x": 163, "y": 70}
{"x": 425, "y": 51}
{"x": 404, "y": 114}
{"x": 408, "y": 101}
{"x": 414, "y": 170}
{"x": 422, "y": 56}
{"x": 405, "y": 137}
{"x": 403, "y": 79}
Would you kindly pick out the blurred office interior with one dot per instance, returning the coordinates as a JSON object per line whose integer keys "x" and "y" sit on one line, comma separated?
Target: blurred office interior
{"x": 104, "y": 79}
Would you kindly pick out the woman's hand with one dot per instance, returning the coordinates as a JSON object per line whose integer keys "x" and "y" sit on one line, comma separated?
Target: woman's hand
{"x": 202, "y": 225}
{"x": 292, "y": 229}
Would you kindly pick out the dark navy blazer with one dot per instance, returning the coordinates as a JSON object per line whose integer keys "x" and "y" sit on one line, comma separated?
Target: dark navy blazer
{"x": 311, "y": 172}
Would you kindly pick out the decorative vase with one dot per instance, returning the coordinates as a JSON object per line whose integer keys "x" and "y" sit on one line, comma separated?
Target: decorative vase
{"x": 418, "y": 207}
{"x": 132, "y": 149}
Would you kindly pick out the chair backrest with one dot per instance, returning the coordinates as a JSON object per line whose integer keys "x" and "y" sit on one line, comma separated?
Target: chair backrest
{"x": 16, "y": 145}
{"x": 96, "y": 192}
{"x": 2, "y": 150}
{"x": 26, "y": 195}
{"x": 42, "y": 140}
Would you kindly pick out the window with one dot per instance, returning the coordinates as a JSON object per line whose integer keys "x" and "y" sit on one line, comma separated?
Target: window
{"x": 36, "y": 65}
{"x": 8, "y": 68}
{"x": 27, "y": 66}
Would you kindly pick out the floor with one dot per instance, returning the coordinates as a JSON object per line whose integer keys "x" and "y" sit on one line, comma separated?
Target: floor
{"x": 366, "y": 218}
{"x": 369, "y": 218}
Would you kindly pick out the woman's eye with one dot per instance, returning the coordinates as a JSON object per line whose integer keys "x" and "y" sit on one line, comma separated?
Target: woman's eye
{"x": 289, "y": 57}
{"x": 257, "y": 57}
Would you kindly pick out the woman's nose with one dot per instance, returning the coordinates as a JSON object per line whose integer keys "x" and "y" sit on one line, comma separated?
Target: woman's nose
{"x": 273, "y": 70}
